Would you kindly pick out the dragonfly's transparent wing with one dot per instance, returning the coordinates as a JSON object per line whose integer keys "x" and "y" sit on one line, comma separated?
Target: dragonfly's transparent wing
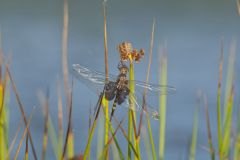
{"x": 85, "y": 74}
{"x": 93, "y": 79}
{"x": 153, "y": 88}
{"x": 138, "y": 106}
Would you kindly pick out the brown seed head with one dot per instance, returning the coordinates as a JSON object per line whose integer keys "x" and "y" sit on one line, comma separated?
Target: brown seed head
{"x": 127, "y": 53}
{"x": 125, "y": 50}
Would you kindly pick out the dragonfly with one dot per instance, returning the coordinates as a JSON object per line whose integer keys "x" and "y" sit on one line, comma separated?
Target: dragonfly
{"x": 116, "y": 88}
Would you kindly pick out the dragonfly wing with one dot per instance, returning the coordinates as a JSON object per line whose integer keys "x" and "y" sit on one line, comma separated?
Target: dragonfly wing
{"x": 138, "y": 106}
{"x": 93, "y": 79}
{"x": 153, "y": 88}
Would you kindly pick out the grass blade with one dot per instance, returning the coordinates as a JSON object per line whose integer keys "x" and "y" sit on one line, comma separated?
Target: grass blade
{"x": 105, "y": 150}
{"x": 60, "y": 122}
{"x": 211, "y": 149}
{"x": 131, "y": 114}
{"x": 22, "y": 112}
{"x": 237, "y": 148}
{"x": 127, "y": 138}
{"x": 100, "y": 131}
{"x": 228, "y": 104}
{"x": 225, "y": 147}
{"x": 238, "y": 7}
{"x": 24, "y": 134}
{"x": 162, "y": 107}
{"x": 219, "y": 117}
{"x": 53, "y": 138}
{"x": 147, "y": 143}
{"x": 230, "y": 76}
{"x": 90, "y": 135}
{"x": 121, "y": 156}
{"x": 115, "y": 139}
{"x": 115, "y": 151}
{"x": 69, "y": 141}
{"x": 105, "y": 104}
{"x": 26, "y": 149}
{"x": 65, "y": 50}
{"x": 45, "y": 133}
{"x": 89, "y": 124}
{"x": 3, "y": 126}
{"x": 3, "y": 110}
{"x": 14, "y": 139}
{"x": 50, "y": 127}
{"x": 237, "y": 141}
{"x": 194, "y": 136}
{"x": 145, "y": 92}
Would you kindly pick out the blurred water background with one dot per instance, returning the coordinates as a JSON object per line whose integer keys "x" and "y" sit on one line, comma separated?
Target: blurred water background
{"x": 192, "y": 30}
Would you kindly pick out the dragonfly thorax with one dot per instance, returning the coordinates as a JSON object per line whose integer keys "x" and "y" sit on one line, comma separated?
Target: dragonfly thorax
{"x": 110, "y": 90}
{"x": 118, "y": 90}
{"x": 122, "y": 81}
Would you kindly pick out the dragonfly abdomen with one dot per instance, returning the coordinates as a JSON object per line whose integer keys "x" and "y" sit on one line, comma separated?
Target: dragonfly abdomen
{"x": 122, "y": 95}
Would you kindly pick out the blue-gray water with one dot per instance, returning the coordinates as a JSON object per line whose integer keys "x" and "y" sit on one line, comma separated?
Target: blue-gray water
{"x": 191, "y": 29}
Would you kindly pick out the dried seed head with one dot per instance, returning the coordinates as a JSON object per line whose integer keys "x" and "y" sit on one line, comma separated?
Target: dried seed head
{"x": 125, "y": 50}
{"x": 127, "y": 53}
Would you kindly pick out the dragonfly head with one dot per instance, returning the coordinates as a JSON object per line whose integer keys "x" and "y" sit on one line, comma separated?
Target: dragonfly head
{"x": 123, "y": 68}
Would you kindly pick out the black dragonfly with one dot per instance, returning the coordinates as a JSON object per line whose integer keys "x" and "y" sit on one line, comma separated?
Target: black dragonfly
{"x": 117, "y": 88}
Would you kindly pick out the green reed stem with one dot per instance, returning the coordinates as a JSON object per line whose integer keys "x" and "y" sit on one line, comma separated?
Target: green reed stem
{"x": 162, "y": 107}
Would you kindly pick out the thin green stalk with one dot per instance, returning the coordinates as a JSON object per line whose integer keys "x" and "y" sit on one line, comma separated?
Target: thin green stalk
{"x": 212, "y": 151}
{"x": 151, "y": 139}
{"x": 70, "y": 144}
{"x": 106, "y": 74}
{"x": 21, "y": 110}
{"x": 225, "y": 147}
{"x": 45, "y": 133}
{"x": 114, "y": 138}
{"x": 238, "y": 6}
{"x": 132, "y": 147}
{"x": 53, "y": 138}
{"x": 90, "y": 135}
{"x": 4, "y": 118}
{"x": 26, "y": 149}
{"x": 129, "y": 134}
{"x": 237, "y": 141}
{"x": 3, "y": 128}
{"x": 194, "y": 136}
{"x": 69, "y": 139}
{"x": 146, "y": 143}
{"x": 237, "y": 148}
{"x": 14, "y": 139}
{"x": 162, "y": 107}
{"x": 105, "y": 150}
{"x": 219, "y": 117}
{"x": 100, "y": 131}
{"x": 60, "y": 122}
{"x": 131, "y": 113}
{"x": 114, "y": 151}
{"x": 230, "y": 76}
{"x": 24, "y": 134}
{"x": 145, "y": 92}
{"x": 51, "y": 132}
{"x": 121, "y": 156}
